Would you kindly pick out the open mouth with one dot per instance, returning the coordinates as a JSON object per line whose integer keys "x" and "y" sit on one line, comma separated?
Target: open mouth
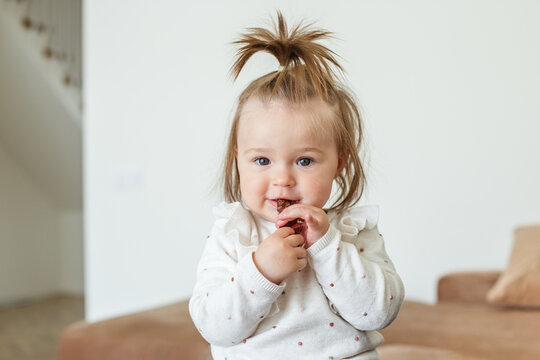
{"x": 274, "y": 202}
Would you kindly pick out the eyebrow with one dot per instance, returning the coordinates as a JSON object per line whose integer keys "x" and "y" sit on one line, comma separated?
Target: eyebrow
{"x": 306, "y": 149}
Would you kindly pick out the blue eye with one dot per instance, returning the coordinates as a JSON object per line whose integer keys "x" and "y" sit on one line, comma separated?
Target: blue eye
{"x": 262, "y": 161}
{"x": 304, "y": 162}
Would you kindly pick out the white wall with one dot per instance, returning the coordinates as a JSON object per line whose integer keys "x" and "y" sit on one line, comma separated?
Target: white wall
{"x": 71, "y": 252}
{"x": 448, "y": 91}
{"x": 40, "y": 171}
{"x": 40, "y": 246}
{"x": 29, "y": 256}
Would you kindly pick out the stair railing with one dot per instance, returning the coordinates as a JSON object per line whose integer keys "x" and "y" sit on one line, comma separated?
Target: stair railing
{"x": 60, "y": 21}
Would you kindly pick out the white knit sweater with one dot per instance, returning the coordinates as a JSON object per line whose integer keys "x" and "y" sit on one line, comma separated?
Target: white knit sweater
{"x": 329, "y": 310}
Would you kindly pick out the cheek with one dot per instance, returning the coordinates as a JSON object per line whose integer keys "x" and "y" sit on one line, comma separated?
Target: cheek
{"x": 319, "y": 190}
{"x": 326, "y": 189}
{"x": 250, "y": 184}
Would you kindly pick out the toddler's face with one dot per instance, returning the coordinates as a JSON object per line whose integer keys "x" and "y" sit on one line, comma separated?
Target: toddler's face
{"x": 281, "y": 157}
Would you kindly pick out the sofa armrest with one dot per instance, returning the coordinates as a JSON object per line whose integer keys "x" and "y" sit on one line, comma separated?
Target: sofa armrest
{"x": 470, "y": 287}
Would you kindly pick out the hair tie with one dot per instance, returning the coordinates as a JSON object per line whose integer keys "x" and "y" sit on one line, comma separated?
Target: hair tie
{"x": 280, "y": 68}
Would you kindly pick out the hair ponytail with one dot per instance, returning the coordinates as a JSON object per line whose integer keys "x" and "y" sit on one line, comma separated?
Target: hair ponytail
{"x": 297, "y": 51}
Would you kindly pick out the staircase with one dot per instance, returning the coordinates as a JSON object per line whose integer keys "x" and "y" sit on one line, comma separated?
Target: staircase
{"x": 40, "y": 93}
{"x": 56, "y": 24}
{"x": 41, "y": 241}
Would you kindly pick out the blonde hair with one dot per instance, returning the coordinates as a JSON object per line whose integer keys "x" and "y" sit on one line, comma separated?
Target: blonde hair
{"x": 306, "y": 72}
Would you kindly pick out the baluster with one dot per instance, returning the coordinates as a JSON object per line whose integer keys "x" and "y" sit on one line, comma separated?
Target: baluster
{"x": 61, "y": 22}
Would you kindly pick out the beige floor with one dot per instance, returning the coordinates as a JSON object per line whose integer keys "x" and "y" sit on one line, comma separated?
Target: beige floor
{"x": 30, "y": 331}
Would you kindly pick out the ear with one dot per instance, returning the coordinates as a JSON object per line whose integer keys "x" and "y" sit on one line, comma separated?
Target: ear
{"x": 340, "y": 167}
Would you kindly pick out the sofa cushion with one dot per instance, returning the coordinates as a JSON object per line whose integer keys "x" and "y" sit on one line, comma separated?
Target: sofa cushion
{"x": 164, "y": 333}
{"x": 480, "y": 331}
{"x": 519, "y": 284}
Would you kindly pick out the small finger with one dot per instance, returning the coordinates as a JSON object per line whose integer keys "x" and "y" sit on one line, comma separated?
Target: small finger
{"x": 300, "y": 252}
{"x": 281, "y": 223}
{"x": 292, "y": 212}
{"x": 285, "y": 231}
{"x": 295, "y": 239}
{"x": 302, "y": 263}
{"x": 299, "y": 212}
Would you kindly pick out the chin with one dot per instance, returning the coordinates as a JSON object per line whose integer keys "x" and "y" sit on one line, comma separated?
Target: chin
{"x": 269, "y": 214}
{"x": 268, "y": 217}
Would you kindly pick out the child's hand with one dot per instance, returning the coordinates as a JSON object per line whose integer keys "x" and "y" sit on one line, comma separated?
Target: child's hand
{"x": 280, "y": 255}
{"x": 315, "y": 221}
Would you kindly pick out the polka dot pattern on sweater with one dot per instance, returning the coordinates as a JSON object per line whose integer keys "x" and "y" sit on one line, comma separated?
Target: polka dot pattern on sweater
{"x": 295, "y": 305}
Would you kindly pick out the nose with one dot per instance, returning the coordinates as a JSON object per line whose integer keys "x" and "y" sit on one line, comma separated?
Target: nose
{"x": 282, "y": 176}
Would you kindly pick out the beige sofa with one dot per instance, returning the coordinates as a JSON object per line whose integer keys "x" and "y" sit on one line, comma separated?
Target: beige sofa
{"x": 462, "y": 325}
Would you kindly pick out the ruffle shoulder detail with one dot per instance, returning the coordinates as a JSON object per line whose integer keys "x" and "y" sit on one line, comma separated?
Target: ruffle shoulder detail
{"x": 233, "y": 221}
{"x": 353, "y": 220}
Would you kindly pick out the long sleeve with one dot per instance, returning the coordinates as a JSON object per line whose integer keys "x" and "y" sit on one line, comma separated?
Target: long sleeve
{"x": 355, "y": 273}
{"x": 231, "y": 297}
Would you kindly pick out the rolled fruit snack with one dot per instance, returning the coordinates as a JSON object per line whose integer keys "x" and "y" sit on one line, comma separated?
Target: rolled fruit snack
{"x": 296, "y": 224}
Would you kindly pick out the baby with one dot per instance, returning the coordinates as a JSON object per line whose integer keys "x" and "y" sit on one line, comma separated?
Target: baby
{"x": 307, "y": 282}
